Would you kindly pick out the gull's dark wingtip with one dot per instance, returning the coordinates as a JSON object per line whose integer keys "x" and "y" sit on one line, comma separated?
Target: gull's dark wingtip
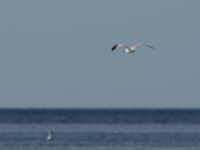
{"x": 114, "y": 47}
{"x": 149, "y": 46}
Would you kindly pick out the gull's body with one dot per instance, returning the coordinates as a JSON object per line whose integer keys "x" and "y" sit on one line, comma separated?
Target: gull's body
{"x": 129, "y": 49}
{"x": 50, "y": 135}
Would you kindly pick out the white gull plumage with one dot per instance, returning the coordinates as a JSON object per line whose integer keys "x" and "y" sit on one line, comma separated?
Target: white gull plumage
{"x": 130, "y": 49}
{"x": 50, "y": 135}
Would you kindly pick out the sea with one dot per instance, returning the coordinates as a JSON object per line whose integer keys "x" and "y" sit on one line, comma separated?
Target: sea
{"x": 100, "y": 129}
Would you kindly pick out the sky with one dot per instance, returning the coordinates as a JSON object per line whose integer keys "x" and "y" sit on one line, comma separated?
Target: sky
{"x": 57, "y": 54}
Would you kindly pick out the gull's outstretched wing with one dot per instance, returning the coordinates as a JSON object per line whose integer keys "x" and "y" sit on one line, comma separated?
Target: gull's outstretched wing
{"x": 135, "y": 46}
{"x": 118, "y": 45}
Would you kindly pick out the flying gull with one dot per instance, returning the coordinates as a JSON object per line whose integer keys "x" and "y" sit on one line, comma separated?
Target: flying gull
{"x": 130, "y": 49}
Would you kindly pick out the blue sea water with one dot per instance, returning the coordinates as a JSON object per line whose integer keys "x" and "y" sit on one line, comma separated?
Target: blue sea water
{"x": 100, "y": 129}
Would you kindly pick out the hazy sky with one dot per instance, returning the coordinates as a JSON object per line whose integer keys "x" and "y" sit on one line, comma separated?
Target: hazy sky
{"x": 56, "y": 53}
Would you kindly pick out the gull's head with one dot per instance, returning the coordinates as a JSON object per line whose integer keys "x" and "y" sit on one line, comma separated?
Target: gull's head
{"x": 50, "y": 132}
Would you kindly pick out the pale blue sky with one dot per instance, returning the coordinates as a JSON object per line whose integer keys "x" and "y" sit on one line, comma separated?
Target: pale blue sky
{"x": 56, "y": 53}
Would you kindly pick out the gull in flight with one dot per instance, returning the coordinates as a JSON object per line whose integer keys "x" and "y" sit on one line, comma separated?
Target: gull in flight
{"x": 130, "y": 49}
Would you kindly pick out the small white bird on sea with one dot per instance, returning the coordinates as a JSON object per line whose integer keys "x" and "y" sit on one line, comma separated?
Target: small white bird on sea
{"x": 130, "y": 49}
{"x": 50, "y": 135}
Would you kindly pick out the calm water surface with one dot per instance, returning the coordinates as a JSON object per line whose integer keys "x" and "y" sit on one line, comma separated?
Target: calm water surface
{"x": 77, "y": 129}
